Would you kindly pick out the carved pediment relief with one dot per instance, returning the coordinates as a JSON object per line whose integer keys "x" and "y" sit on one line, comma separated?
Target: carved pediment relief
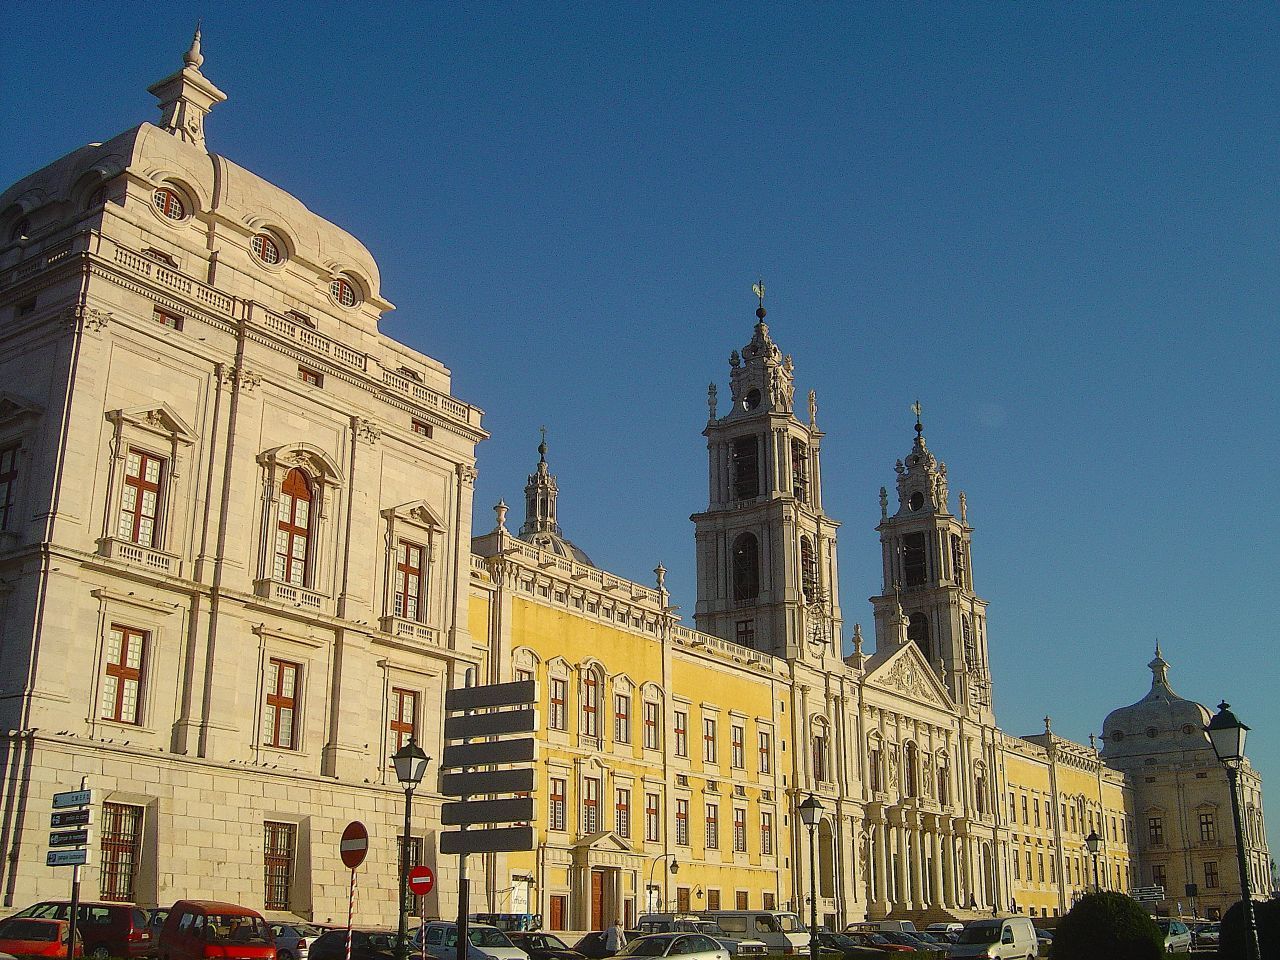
{"x": 907, "y": 673}
{"x": 310, "y": 458}
{"x": 161, "y": 419}
{"x": 14, "y": 409}
{"x": 417, "y": 511}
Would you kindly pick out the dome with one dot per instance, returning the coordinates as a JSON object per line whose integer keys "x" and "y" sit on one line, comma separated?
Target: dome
{"x": 1160, "y": 722}
{"x": 557, "y": 544}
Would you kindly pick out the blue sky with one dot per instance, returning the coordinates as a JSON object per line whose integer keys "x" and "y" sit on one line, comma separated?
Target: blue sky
{"x": 1054, "y": 224}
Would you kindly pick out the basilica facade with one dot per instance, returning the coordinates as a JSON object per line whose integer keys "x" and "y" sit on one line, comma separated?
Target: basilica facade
{"x": 238, "y": 572}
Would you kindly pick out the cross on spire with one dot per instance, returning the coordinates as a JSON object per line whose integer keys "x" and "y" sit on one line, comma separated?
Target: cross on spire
{"x": 758, "y": 289}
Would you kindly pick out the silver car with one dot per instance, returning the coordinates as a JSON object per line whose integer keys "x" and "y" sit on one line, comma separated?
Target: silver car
{"x": 694, "y": 946}
{"x": 1177, "y": 935}
{"x": 293, "y": 940}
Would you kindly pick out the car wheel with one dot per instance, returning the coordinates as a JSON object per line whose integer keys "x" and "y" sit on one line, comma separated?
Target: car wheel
{"x": 284, "y": 955}
{"x": 100, "y": 952}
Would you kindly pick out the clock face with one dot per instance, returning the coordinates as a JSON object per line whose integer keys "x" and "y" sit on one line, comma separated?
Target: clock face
{"x": 751, "y": 400}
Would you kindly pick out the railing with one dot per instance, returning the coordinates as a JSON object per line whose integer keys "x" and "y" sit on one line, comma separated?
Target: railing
{"x": 156, "y": 560}
{"x": 288, "y": 593}
{"x": 410, "y": 630}
{"x": 430, "y": 398}
{"x": 304, "y": 335}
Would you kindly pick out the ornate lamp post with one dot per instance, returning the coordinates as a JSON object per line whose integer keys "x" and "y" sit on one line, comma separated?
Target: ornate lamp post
{"x": 673, "y": 870}
{"x": 1093, "y": 843}
{"x": 811, "y": 815}
{"x": 411, "y": 764}
{"x": 1226, "y": 733}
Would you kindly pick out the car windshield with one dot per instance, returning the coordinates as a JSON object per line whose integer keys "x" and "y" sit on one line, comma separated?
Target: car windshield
{"x": 545, "y": 941}
{"x": 646, "y": 947}
{"x": 788, "y": 922}
{"x": 980, "y": 933}
{"x": 233, "y": 928}
{"x": 488, "y": 937}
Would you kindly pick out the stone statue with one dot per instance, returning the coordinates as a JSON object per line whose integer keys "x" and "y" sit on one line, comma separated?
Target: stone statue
{"x": 884, "y": 504}
{"x": 711, "y": 401}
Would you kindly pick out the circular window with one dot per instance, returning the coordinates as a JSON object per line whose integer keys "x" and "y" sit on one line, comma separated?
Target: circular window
{"x": 342, "y": 291}
{"x": 917, "y": 500}
{"x": 1116, "y": 737}
{"x": 265, "y": 248}
{"x": 169, "y": 203}
{"x": 751, "y": 400}
{"x": 1151, "y": 732}
{"x": 1188, "y": 728}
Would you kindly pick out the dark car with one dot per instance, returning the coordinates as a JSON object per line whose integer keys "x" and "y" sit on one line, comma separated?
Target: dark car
{"x": 591, "y": 946}
{"x": 543, "y": 946}
{"x": 108, "y": 929}
{"x": 876, "y": 940}
{"x": 839, "y": 946}
{"x": 366, "y": 944}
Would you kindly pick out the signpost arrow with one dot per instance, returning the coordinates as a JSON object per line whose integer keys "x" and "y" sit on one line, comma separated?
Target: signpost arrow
{"x": 495, "y": 840}
{"x": 71, "y": 818}
{"x": 69, "y": 838}
{"x": 72, "y": 798}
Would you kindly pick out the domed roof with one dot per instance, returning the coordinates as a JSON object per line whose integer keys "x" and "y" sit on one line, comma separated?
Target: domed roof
{"x": 556, "y": 543}
{"x": 1160, "y": 722}
{"x": 540, "y": 525}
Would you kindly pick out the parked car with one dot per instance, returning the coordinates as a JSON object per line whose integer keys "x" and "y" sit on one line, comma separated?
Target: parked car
{"x": 482, "y": 942}
{"x": 1177, "y": 935}
{"x": 840, "y": 946}
{"x": 695, "y": 946}
{"x": 212, "y": 930}
{"x": 156, "y": 917}
{"x": 508, "y": 922}
{"x": 293, "y": 940}
{"x": 1002, "y": 938}
{"x": 107, "y": 929}
{"x": 911, "y": 942}
{"x": 543, "y": 946}
{"x": 876, "y": 939}
{"x": 366, "y": 944}
{"x": 780, "y": 930}
{"x": 32, "y": 937}
{"x": 1205, "y": 936}
{"x": 952, "y": 927}
{"x": 591, "y": 945}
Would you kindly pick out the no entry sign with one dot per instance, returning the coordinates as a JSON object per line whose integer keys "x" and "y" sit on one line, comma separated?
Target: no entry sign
{"x": 421, "y": 880}
{"x": 354, "y": 845}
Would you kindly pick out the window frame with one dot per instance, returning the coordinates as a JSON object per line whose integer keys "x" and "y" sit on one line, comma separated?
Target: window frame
{"x": 169, "y": 203}
{"x": 275, "y": 700}
{"x": 557, "y": 807}
{"x": 121, "y": 842}
{"x": 9, "y": 478}
{"x": 406, "y": 601}
{"x": 558, "y": 693}
{"x": 293, "y": 531}
{"x": 712, "y": 825}
{"x": 141, "y": 485}
{"x": 401, "y": 731}
{"x": 622, "y": 812}
{"x": 590, "y": 805}
{"x": 739, "y": 829}
{"x": 589, "y": 714}
{"x": 266, "y": 249}
{"x": 680, "y": 727}
{"x": 710, "y": 746}
{"x": 652, "y": 725}
{"x": 622, "y": 717}
{"x": 278, "y": 863}
{"x": 764, "y": 745}
{"x": 682, "y": 821}
{"x": 343, "y": 292}
{"x": 737, "y": 746}
{"x": 652, "y": 817}
{"x": 766, "y": 833}
{"x": 117, "y": 668}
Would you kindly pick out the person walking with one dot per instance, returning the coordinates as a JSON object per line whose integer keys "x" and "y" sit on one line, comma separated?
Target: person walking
{"x": 614, "y": 939}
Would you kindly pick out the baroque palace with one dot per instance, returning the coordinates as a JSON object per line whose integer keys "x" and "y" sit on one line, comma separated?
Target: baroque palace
{"x": 238, "y": 572}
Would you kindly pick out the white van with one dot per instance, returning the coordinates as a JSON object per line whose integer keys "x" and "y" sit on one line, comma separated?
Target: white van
{"x": 1009, "y": 938}
{"x": 782, "y": 932}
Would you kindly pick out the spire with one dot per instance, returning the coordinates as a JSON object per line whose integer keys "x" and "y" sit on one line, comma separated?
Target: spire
{"x": 922, "y": 477}
{"x": 1159, "y": 668}
{"x": 761, "y": 378}
{"x": 186, "y": 97}
{"x": 540, "y": 496}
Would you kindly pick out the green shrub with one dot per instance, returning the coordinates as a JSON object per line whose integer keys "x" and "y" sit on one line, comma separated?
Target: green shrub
{"x": 1267, "y": 915}
{"x": 1108, "y": 925}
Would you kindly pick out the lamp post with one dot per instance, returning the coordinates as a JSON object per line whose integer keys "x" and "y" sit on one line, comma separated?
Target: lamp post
{"x": 810, "y": 815}
{"x": 411, "y": 763}
{"x": 673, "y": 870}
{"x": 1226, "y": 733}
{"x": 1093, "y": 843}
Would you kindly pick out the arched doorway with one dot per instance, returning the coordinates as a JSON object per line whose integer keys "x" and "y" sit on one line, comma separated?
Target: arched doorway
{"x": 826, "y": 860}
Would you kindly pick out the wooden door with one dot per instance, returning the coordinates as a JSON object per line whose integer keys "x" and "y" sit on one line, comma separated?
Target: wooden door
{"x": 597, "y": 899}
{"x": 557, "y": 913}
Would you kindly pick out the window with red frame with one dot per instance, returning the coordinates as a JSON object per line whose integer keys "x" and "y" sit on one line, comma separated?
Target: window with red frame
{"x": 737, "y": 750}
{"x": 652, "y": 817}
{"x": 820, "y": 771}
{"x": 311, "y": 377}
{"x": 590, "y": 805}
{"x": 265, "y": 248}
{"x": 682, "y": 733}
{"x": 408, "y": 598}
{"x": 557, "y": 804}
{"x": 122, "y": 685}
{"x": 8, "y": 483}
{"x": 622, "y": 813}
{"x": 293, "y": 529}
{"x": 343, "y": 292}
{"x": 739, "y": 830}
{"x": 652, "y": 717}
{"x": 404, "y": 716}
{"x": 708, "y": 740}
{"x": 121, "y": 838}
{"x": 622, "y": 718}
{"x": 140, "y": 499}
{"x": 559, "y": 691}
{"x": 766, "y": 751}
{"x": 590, "y": 706}
{"x": 278, "y": 728}
{"x": 682, "y": 822}
{"x": 167, "y": 319}
{"x": 169, "y": 203}
{"x": 713, "y": 826}
{"x": 766, "y": 834}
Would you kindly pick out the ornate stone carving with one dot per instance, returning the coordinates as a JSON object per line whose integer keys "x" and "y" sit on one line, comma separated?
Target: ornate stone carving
{"x": 94, "y": 320}
{"x": 466, "y": 474}
{"x": 366, "y": 430}
{"x": 906, "y": 676}
{"x": 711, "y": 401}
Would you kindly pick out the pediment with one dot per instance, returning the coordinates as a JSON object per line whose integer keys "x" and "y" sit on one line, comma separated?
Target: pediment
{"x": 162, "y": 419}
{"x": 604, "y": 840}
{"x": 905, "y": 672}
{"x": 419, "y": 512}
{"x": 14, "y": 408}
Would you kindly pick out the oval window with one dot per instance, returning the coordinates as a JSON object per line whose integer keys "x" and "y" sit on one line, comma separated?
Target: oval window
{"x": 1117, "y": 737}
{"x": 265, "y": 248}
{"x": 342, "y": 291}
{"x": 169, "y": 203}
{"x": 917, "y": 500}
{"x": 1151, "y": 732}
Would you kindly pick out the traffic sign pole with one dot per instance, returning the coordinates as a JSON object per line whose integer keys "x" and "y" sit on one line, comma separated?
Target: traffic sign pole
{"x": 351, "y": 910}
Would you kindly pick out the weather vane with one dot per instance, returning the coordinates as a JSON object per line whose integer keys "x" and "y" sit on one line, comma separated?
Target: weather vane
{"x": 758, "y": 289}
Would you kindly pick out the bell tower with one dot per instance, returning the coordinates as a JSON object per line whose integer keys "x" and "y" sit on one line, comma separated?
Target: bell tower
{"x": 766, "y": 551}
{"x": 928, "y": 596}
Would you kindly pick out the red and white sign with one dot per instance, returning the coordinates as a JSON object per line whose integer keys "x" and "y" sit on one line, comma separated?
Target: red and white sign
{"x": 421, "y": 880}
{"x": 354, "y": 845}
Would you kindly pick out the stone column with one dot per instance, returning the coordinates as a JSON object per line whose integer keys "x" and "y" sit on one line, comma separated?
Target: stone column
{"x": 935, "y": 886}
{"x": 880, "y": 850}
{"x": 917, "y": 869}
{"x": 901, "y": 892}
{"x": 948, "y": 867}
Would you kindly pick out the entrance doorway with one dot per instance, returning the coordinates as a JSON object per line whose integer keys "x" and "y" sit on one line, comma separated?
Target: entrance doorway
{"x": 597, "y": 899}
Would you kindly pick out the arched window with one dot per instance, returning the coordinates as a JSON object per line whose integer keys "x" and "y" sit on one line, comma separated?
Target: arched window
{"x": 265, "y": 248}
{"x": 912, "y": 771}
{"x": 293, "y": 529}
{"x": 746, "y": 567}
{"x": 918, "y": 633}
{"x": 980, "y": 794}
{"x": 343, "y": 291}
{"x": 800, "y": 470}
{"x": 808, "y": 570}
{"x": 943, "y": 782}
{"x": 169, "y": 203}
{"x": 821, "y": 756}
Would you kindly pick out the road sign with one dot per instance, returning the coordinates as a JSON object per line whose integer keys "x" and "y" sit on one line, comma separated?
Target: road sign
{"x": 71, "y": 818}
{"x": 494, "y": 840}
{"x": 519, "y": 780}
{"x": 354, "y": 845}
{"x": 67, "y": 858}
{"x": 1147, "y": 894}
{"x": 70, "y": 838}
{"x": 1192, "y": 889}
{"x": 421, "y": 880}
{"x": 467, "y": 813}
{"x": 72, "y": 798}
{"x": 495, "y": 751}
{"x": 515, "y": 694}
{"x": 469, "y": 725}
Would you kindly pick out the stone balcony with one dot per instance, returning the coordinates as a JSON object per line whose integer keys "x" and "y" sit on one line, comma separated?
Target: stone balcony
{"x": 124, "y": 550}
{"x": 411, "y": 630}
{"x": 299, "y": 597}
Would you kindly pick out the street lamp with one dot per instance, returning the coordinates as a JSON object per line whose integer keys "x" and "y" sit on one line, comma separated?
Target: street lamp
{"x": 810, "y": 815}
{"x": 1226, "y": 733}
{"x": 410, "y": 763}
{"x": 673, "y": 870}
{"x": 1093, "y": 843}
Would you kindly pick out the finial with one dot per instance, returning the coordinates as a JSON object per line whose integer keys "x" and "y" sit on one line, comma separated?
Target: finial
{"x": 813, "y": 409}
{"x": 500, "y": 508}
{"x": 1093, "y": 742}
{"x": 1048, "y": 724}
{"x": 1158, "y": 657}
{"x": 661, "y": 573}
{"x": 916, "y": 409}
{"x": 193, "y": 57}
{"x": 711, "y": 401}
{"x": 758, "y": 289}
{"x": 884, "y": 504}
{"x": 857, "y": 639}
{"x": 542, "y": 447}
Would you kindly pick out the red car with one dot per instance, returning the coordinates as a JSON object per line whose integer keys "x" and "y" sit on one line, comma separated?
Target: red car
{"x": 30, "y": 937}
{"x": 210, "y": 930}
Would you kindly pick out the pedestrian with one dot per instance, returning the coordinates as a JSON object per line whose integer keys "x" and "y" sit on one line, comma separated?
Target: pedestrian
{"x": 614, "y": 939}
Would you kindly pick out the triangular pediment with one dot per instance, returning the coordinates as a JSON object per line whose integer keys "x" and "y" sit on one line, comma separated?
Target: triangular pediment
{"x": 419, "y": 512}
{"x": 905, "y": 672}
{"x": 16, "y": 408}
{"x": 159, "y": 419}
{"x": 604, "y": 840}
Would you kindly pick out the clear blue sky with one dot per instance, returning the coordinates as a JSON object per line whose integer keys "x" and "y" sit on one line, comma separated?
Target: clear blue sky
{"x": 1056, "y": 225}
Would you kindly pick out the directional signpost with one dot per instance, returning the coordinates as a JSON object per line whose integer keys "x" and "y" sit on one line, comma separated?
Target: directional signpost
{"x": 487, "y": 714}
{"x": 353, "y": 847}
{"x": 69, "y": 841}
